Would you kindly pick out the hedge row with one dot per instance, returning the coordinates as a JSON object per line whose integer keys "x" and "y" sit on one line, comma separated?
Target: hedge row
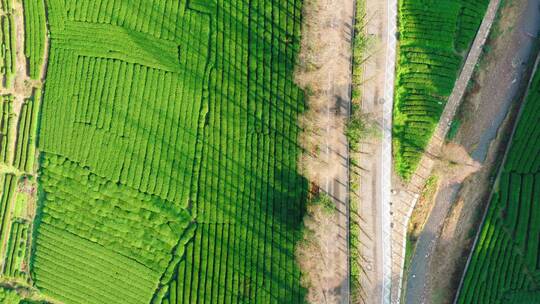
{"x": 433, "y": 35}
{"x": 35, "y": 35}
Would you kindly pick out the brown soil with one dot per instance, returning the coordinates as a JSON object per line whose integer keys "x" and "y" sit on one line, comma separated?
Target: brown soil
{"x": 422, "y": 209}
{"x": 477, "y": 114}
{"x": 323, "y": 69}
{"x": 324, "y": 72}
{"x": 455, "y": 165}
{"x": 318, "y": 256}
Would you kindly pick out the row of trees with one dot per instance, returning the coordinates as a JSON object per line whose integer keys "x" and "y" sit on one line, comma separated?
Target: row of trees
{"x": 16, "y": 249}
{"x": 25, "y": 145}
{"x": 6, "y": 122}
{"x": 9, "y": 184}
{"x": 8, "y": 43}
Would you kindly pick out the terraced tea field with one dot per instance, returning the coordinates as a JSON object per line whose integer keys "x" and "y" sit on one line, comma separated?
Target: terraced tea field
{"x": 505, "y": 264}
{"x": 167, "y": 140}
{"x": 434, "y": 40}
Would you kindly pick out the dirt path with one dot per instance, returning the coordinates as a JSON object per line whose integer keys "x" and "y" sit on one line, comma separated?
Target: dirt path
{"x": 405, "y": 196}
{"x": 325, "y": 73}
{"x": 487, "y": 117}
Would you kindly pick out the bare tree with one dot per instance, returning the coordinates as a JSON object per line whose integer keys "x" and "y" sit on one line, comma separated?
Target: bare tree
{"x": 317, "y": 254}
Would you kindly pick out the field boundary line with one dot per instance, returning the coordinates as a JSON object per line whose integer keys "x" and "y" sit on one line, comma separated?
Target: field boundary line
{"x": 415, "y": 185}
{"x": 497, "y": 179}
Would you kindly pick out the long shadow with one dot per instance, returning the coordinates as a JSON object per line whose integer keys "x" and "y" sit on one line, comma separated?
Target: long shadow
{"x": 248, "y": 180}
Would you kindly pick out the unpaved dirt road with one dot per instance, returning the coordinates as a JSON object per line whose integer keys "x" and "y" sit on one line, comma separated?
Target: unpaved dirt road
{"x": 405, "y": 197}
{"x": 483, "y": 132}
{"x": 325, "y": 70}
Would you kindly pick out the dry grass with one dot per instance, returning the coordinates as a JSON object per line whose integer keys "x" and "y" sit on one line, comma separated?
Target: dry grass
{"x": 318, "y": 72}
{"x": 318, "y": 256}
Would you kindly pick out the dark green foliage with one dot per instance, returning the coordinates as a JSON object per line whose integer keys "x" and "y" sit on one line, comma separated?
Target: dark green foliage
{"x": 505, "y": 264}
{"x": 26, "y": 134}
{"x": 16, "y": 251}
{"x": 192, "y": 111}
{"x": 431, "y": 35}
{"x": 6, "y": 122}
{"x": 8, "y": 38}
{"x": 454, "y": 128}
{"x": 35, "y": 31}
{"x": 9, "y": 296}
{"x": 8, "y": 183}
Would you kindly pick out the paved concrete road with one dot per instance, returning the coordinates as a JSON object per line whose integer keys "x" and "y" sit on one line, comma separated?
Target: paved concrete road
{"x": 416, "y": 278}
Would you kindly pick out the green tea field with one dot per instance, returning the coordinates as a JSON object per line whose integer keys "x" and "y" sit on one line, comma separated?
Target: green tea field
{"x": 149, "y": 151}
{"x": 505, "y": 264}
{"x": 170, "y": 175}
{"x": 434, "y": 39}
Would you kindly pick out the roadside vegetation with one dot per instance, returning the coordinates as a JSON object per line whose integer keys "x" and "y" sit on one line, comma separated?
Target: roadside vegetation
{"x": 434, "y": 39}
{"x": 317, "y": 253}
{"x": 356, "y": 130}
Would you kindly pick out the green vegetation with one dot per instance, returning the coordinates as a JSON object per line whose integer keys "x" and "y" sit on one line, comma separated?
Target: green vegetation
{"x": 6, "y": 122}
{"x": 433, "y": 36}
{"x": 172, "y": 165}
{"x": 35, "y": 31}
{"x": 9, "y": 184}
{"x": 26, "y": 134}
{"x": 25, "y": 190}
{"x": 8, "y": 38}
{"x": 454, "y": 128}
{"x": 139, "y": 228}
{"x": 14, "y": 263}
{"x": 8, "y": 296}
{"x": 356, "y": 130}
{"x": 505, "y": 263}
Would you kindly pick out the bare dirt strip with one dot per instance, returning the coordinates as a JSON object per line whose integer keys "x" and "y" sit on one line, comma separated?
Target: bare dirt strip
{"x": 488, "y": 114}
{"x": 404, "y": 197}
{"x": 325, "y": 74}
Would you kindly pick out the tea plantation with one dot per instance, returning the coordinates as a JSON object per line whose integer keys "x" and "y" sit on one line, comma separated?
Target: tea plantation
{"x": 168, "y": 149}
{"x": 505, "y": 264}
{"x": 434, "y": 37}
